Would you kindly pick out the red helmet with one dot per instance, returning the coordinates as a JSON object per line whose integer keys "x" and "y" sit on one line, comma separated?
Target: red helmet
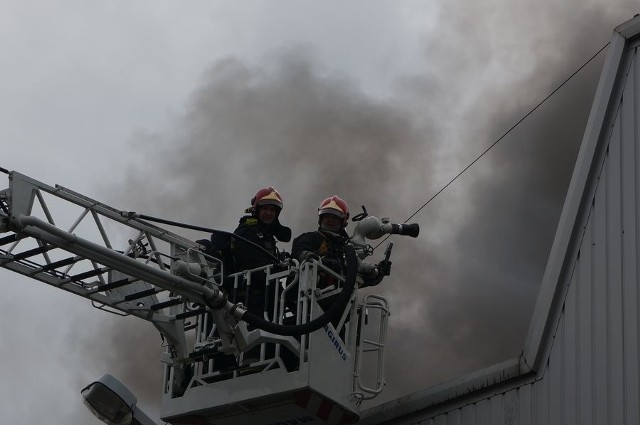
{"x": 267, "y": 196}
{"x": 336, "y": 206}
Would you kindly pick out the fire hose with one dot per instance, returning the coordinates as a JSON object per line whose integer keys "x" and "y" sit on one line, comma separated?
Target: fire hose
{"x": 334, "y": 312}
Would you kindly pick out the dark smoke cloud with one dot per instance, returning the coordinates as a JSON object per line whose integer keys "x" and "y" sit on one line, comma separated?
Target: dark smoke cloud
{"x": 484, "y": 289}
{"x": 131, "y": 353}
{"x": 284, "y": 124}
{"x": 310, "y": 135}
{"x": 462, "y": 294}
{"x": 479, "y": 296}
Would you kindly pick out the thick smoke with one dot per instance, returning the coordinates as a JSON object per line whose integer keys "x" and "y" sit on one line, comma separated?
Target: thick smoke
{"x": 283, "y": 124}
{"x": 462, "y": 293}
{"x": 478, "y": 293}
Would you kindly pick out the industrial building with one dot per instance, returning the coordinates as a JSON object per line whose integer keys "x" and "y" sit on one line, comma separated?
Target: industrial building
{"x": 580, "y": 363}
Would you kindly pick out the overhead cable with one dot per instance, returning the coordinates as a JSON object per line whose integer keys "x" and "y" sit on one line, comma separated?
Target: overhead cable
{"x": 505, "y": 134}
{"x": 501, "y": 138}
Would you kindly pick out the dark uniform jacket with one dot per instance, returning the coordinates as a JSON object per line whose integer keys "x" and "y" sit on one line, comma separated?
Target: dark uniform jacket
{"x": 249, "y": 256}
{"x": 323, "y": 244}
{"x": 330, "y": 246}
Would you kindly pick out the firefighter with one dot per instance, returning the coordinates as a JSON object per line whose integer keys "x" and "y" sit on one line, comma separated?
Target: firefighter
{"x": 328, "y": 241}
{"x": 328, "y": 244}
{"x": 255, "y": 245}
{"x": 261, "y": 227}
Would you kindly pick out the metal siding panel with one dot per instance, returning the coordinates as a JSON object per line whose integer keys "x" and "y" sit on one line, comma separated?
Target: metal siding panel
{"x": 482, "y": 413}
{"x": 571, "y": 353}
{"x": 453, "y": 417}
{"x": 496, "y": 410}
{"x": 600, "y": 293}
{"x": 630, "y": 198}
{"x": 468, "y": 414}
{"x": 584, "y": 290}
{"x": 440, "y": 420}
{"x": 555, "y": 376}
{"x": 525, "y": 405}
{"x": 614, "y": 278}
{"x": 541, "y": 401}
{"x": 510, "y": 407}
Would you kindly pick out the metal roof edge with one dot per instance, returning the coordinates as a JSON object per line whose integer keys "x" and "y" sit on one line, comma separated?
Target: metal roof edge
{"x": 552, "y": 289}
{"x": 463, "y": 390}
{"x": 630, "y": 28}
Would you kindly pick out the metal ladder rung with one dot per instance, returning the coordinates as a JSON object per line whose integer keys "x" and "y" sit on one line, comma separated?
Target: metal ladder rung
{"x": 56, "y": 264}
{"x": 90, "y": 273}
{"x": 374, "y": 343}
{"x": 30, "y": 253}
{"x": 113, "y": 285}
{"x": 10, "y": 239}
{"x": 141, "y": 294}
{"x": 164, "y": 304}
{"x": 190, "y": 313}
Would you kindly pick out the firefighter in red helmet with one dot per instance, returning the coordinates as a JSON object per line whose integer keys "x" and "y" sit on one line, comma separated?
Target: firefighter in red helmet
{"x": 254, "y": 246}
{"x": 261, "y": 227}
{"x": 328, "y": 243}
{"x": 329, "y": 240}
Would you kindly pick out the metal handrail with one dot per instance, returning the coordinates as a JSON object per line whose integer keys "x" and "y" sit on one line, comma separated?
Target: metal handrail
{"x": 372, "y": 301}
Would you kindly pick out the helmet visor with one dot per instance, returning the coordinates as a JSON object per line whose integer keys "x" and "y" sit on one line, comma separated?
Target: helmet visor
{"x": 331, "y": 211}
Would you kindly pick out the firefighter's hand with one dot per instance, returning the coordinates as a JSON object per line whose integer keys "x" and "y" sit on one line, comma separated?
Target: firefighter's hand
{"x": 308, "y": 255}
{"x": 384, "y": 267}
{"x": 284, "y": 256}
{"x": 204, "y": 245}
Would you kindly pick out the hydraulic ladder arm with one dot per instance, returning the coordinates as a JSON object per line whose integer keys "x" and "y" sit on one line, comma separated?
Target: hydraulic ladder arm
{"x": 119, "y": 262}
{"x": 128, "y": 266}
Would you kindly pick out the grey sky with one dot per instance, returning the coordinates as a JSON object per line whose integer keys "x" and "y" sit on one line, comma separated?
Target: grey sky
{"x": 270, "y": 92}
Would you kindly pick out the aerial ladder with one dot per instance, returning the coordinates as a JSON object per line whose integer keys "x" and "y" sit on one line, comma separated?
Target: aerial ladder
{"x": 313, "y": 355}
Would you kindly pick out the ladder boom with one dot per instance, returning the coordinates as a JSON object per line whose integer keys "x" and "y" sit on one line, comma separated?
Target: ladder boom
{"x": 84, "y": 258}
{"x": 218, "y": 368}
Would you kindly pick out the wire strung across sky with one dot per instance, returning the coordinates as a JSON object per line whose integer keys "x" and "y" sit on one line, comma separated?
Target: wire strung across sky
{"x": 505, "y": 134}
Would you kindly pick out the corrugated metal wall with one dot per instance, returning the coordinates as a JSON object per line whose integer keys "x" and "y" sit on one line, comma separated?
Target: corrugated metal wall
{"x": 592, "y": 373}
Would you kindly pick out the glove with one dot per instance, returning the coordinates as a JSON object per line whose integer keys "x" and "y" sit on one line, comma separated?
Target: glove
{"x": 384, "y": 267}
{"x": 204, "y": 245}
{"x": 308, "y": 255}
{"x": 284, "y": 256}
